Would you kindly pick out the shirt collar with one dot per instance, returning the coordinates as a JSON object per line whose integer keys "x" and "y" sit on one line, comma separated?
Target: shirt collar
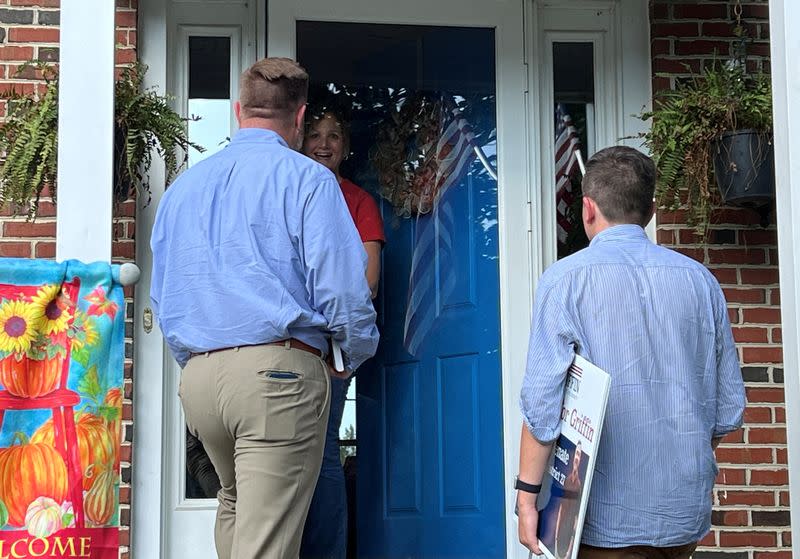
{"x": 258, "y": 135}
{"x": 625, "y": 232}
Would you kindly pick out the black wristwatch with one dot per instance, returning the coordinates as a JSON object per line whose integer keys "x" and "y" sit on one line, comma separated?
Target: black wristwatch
{"x": 527, "y": 487}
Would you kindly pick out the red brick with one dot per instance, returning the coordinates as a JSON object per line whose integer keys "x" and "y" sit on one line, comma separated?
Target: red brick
{"x": 733, "y": 316}
{"x": 759, "y": 49}
{"x": 700, "y": 11}
{"x": 780, "y": 415}
{"x": 769, "y": 477}
{"x": 693, "y": 253}
{"x": 764, "y": 435}
{"x": 717, "y": 29}
{"x": 29, "y": 229}
{"x": 737, "y": 539}
{"x": 124, "y": 537}
{"x": 125, "y": 19}
{"x": 787, "y": 539}
{"x": 690, "y": 237}
{"x": 762, "y": 498}
{"x": 773, "y": 257}
{"x": 750, "y": 335}
{"x": 33, "y": 35}
{"x": 762, "y": 316}
{"x": 725, "y": 275}
{"x": 678, "y": 217}
{"x": 665, "y": 237}
{"x": 702, "y": 47}
{"x": 786, "y": 554}
{"x": 759, "y": 237}
{"x": 736, "y": 256}
{"x": 762, "y": 354}
{"x": 731, "y": 476}
{"x": 734, "y": 518}
{"x": 125, "y": 453}
{"x": 783, "y": 499}
{"x": 683, "y": 29}
{"x": 41, "y": 3}
{"x": 660, "y": 46}
{"x": 127, "y": 412}
{"x": 745, "y": 295}
{"x": 767, "y": 395}
{"x": 755, "y": 11}
{"x": 757, "y": 415}
{"x": 22, "y": 88}
{"x": 660, "y": 83}
{"x": 122, "y": 37}
{"x": 781, "y": 457}
{"x": 744, "y": 455}
{"x": 670, "y": 66}
{"x": 123, "y": 249}
{"x": 46, "y": 209}
{"x": 777, "y": 335}
{"x": 759, "y": 276}
{"x": 45, "y": 250}
{"x": 132, "y": 38}
{"x": 734, "y": 437}
{"x": 15, "y": 249}
{"x": 708, "y": 540}
{"x": 658, "y": 11}
{"x": 125, "y": 56}
{"x": 735, "y": 216}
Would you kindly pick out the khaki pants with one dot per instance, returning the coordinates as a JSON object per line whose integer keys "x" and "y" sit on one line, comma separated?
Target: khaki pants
{"x": 261, "y": 414}
{"x": 637, "y": 552}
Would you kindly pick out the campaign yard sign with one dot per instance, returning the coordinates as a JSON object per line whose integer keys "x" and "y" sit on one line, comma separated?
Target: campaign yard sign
{"x": 565, "y": 487}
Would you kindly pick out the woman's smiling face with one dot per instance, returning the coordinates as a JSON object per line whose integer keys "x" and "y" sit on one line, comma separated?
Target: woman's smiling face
{"x": 325, "y": 142}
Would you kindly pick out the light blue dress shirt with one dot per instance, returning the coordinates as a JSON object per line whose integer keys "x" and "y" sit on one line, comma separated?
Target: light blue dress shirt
{"x": 255, "y": 244}
{"x": 657, "y": 322}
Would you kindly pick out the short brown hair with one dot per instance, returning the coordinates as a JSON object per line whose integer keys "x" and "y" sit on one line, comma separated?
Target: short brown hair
{"x": 622, "y": 181}
{"x": 272, "y": 88}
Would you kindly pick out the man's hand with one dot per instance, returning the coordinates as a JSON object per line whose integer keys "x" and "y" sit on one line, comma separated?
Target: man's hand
{"x": 344, "y": 375}
{"x": 528, "y": 521}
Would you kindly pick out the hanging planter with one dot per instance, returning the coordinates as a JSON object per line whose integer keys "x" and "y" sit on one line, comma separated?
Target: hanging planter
{"x": 744, "y": 169}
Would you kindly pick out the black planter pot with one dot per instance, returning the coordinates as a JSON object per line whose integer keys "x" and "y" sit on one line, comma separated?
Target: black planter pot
{"x": 744, "y": 167}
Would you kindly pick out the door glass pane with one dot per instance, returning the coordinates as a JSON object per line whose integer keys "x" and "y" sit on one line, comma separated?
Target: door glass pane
{"x": 209, "y": 102}
{"x": 419, "y": 103}
{"x": 209, "y": 107}
{"x": 573, "y": 82}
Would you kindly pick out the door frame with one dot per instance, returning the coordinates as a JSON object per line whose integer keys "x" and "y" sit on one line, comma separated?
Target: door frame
{"x": 514, "y": 189}
{"x": 161, "y": 23}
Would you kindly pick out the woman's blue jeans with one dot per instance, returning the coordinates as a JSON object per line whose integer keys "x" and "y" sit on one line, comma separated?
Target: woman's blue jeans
{"x": 325, "y": 533}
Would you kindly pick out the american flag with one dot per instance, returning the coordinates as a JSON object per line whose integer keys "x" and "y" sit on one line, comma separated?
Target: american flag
{"x": 455, "y": 152}
{"x": 567, "y": 144}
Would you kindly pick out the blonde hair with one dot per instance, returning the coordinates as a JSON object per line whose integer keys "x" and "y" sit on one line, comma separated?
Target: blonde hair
{"x": 272, "y": 88}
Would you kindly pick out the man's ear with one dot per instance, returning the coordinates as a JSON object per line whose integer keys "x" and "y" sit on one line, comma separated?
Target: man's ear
{"x": 237, "y": 112}
{"x": 589, "y": 210}
{"x": 300, "y": 117}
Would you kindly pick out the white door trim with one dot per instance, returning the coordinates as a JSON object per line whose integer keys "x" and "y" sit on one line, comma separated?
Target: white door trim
{"x": 784, "y": 18}
{"x": 155, "y": 375}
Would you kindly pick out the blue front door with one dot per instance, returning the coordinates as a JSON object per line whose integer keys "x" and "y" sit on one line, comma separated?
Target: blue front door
{"x": 430, "y": 447}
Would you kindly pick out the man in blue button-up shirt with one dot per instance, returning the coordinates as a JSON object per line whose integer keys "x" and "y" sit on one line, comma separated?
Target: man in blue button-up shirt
{"x": 256, "y": 264}
{"x": 657, "y": 322}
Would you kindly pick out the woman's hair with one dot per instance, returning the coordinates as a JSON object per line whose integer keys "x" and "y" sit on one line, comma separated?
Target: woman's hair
{"x": 315, "y": 114}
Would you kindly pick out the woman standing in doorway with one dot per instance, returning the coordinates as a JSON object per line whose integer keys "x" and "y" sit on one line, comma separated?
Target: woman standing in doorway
{"x": 327, "y": 141}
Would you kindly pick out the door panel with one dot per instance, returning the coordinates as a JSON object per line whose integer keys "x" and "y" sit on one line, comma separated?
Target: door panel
{"x": 430, "y": 448}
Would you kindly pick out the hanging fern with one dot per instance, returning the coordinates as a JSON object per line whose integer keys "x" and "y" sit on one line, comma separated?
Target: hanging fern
{"x": 687, "y": 121}
{"x": 144, "y": 123}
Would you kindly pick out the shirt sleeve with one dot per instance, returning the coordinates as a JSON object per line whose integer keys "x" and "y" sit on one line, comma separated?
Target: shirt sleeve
{"x": 369, "y": 221}
{"x": 335, "y": 266}
{"x": 730, "y": 385}
{"x": 551, "y": 350}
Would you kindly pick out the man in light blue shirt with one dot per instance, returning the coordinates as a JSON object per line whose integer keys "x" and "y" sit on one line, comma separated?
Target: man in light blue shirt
{"x": 657, "y": 322}
{"x": 256, "y": 264}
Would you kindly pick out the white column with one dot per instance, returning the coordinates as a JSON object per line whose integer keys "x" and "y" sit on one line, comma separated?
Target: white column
{"x": 85, "y": 130}
{"x": 784, "y": 19}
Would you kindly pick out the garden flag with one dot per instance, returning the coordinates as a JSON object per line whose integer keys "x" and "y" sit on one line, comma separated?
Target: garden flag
{"x": 61, "y": 359}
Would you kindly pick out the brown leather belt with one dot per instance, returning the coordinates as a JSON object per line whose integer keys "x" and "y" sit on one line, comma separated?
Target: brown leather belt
{"x": 292, "y": 342}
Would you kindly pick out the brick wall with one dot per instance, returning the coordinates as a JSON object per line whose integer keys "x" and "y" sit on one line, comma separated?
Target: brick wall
{"x": 751, "y": 516}
{"x": 29, "y": 31}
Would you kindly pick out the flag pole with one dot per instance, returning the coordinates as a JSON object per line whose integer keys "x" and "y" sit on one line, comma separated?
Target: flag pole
{"x": 579, "y": 157}
{"x": 485, "y": 161}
